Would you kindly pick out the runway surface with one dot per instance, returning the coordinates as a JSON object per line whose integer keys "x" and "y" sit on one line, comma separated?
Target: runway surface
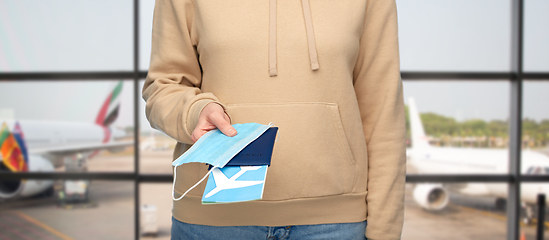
{"x": 110, "y": 213}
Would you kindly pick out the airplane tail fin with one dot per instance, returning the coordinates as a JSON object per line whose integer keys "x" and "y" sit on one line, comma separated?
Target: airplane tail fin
{"x": 419, "y": 139}
{"x": 11, "y": 152}
{"x": 110, "y": 108}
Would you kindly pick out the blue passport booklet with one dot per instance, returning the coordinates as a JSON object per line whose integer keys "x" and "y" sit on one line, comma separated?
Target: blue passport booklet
{"x": 258, "y": 152}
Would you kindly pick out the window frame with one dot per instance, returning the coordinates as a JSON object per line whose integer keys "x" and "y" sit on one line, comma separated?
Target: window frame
{"x": 515, "y": 76}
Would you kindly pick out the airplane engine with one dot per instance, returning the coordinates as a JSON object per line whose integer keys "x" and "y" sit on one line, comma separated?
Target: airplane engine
{"x": 9, "y": 188}
{"x": 431, "y": 196}
{"x": 25, "y": 188}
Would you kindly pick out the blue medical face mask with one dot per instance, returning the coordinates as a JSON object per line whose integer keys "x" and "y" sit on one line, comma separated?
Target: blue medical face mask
{"x": 217, "y": 149}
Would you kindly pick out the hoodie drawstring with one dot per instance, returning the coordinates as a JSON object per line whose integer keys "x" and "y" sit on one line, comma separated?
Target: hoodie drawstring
{"x": 272, "y": 39}
{"x": 310, "y": 34}
{"x": 310, "y": 37}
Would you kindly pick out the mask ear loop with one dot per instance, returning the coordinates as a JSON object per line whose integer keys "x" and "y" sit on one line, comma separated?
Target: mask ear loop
{"x": 175, "y": 178}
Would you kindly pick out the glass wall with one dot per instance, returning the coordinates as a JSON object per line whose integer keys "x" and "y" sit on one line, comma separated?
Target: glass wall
{"x": 535, "y": 125}
{"x": 146, "y": 8}
{"x": 65, "y": 125}
{"x": 65, "y": 35}
{"x": 448, "y": 35}
{"x": 465, "y": 123}
{"x": 61, "y": 60}
{"x": 156, "y": 210}
{"x": 155, "y": 147}
{"x": 454, "y": 211}
{"x": 106, "y": 214}
{"x": 536, "y": 36}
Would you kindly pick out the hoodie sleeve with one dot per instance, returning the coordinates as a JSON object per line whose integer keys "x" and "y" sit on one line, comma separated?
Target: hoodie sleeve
{"x": 378, "y": 89}
{"x": 172, "y": 87}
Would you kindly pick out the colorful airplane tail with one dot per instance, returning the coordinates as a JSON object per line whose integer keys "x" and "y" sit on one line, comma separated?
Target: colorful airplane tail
{"x": 110, "y": 108}
{"x": 419, "y": 139}
{"x": 13, "y": 150}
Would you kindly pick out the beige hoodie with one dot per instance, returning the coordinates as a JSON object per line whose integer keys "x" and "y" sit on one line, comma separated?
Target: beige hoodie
{"x": 327, "y": 74}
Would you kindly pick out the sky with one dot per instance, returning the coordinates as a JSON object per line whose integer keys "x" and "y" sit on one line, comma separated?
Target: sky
{"x": 434, "y": 35}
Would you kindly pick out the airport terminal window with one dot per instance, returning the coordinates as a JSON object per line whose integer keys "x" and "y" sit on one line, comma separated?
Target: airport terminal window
{"x": 146, "y": 8}
{"x": 156, "y": 152}
{"x": 156, "y": 210}
{"x": 66, "y": 118}
{"x": 155, "y": 148}
{"x": 535, "y": 130}
{"x": 536, "y": 36}
{"x": 531, "y": 212}
{"x": 38, "y": 36}
{"x": 448, "y": 35}
{"x": 449, "y": 214}
{"x": 50, "y": 216}
{"x": 458, "y": 132}
{"x": 467, "y": 53}
{"x": 537, "y": 170}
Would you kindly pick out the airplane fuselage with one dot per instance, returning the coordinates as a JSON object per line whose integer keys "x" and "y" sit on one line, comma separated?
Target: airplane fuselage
{"x": 46, "y": 134}
{"x": 449, "y": 160}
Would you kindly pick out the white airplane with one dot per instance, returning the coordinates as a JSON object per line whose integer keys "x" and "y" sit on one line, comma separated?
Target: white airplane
{"x": 427, "y": 159}
{"x": 223, "y": 183}
{"x": 52, "y": 145}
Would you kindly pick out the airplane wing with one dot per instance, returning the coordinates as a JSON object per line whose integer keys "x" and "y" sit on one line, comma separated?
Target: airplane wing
{"x": 224, "y": 183}
{"x": 219, "y": 176}
{"x": 212, "y": 192}
{"x": 79, "y": 148}
{"x": 240, "y": 184}
{"x": 220, "y": 180}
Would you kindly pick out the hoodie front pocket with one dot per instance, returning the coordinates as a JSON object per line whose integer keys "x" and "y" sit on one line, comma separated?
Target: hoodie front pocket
{"x": 311, "y": 157}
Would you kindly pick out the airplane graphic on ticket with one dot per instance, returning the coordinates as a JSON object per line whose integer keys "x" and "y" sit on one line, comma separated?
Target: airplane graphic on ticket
{"x": 235, "y": 184}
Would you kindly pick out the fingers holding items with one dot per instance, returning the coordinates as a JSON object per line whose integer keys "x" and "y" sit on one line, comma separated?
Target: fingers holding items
{"x": 221, "y": 121}
{"x": 212, "y": 117}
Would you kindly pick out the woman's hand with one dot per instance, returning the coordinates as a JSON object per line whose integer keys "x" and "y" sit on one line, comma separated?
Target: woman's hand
{"x": 212, "y": 117}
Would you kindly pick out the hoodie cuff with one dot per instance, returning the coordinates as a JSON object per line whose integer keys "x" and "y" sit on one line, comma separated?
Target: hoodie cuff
{"x": 196, "y": 109}
{"x": 224, "y": 109}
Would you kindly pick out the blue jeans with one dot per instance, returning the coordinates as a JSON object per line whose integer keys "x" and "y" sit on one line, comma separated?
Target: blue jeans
{"x": 343, "y": 231}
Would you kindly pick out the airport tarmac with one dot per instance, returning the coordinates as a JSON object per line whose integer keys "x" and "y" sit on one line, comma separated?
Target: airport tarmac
{"x": 110, "y": 216}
